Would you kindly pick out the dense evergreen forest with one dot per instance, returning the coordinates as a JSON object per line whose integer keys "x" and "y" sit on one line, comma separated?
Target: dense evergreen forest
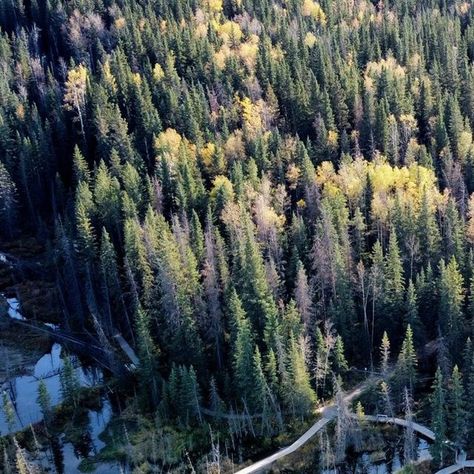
{"x": 260, "y": 195}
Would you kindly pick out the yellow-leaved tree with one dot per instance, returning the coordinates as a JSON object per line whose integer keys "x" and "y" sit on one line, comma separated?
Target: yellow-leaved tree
{"x": 75, "y": 93}
{"x": 313, "y": 9}
{"x": 251, "y": 113}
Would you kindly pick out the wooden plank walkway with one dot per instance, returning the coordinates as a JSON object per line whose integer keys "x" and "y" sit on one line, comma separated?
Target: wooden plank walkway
{"x": 456, "y": 467}
{"x": 127, "y": 349}
{"x": 328, "y": 412}
{"x": 420, "y": 429}
{"x": 265, "y": 463}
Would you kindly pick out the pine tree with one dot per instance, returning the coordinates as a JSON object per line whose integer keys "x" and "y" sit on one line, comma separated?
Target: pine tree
{"x": 438, "y": 419}
{"x": 148, "y": 356}
{"x": 84, "y": 213}
{"x": 44, "y": 400}
{"x": 470, "y": 399}
{"x": 411, "y": 314}
{"x": 451, "y": 295}
{"x": 70, "y": 383}
{"x": 340, "y": 364}
{"x": 257, "y": 396}
{"x": 216, "y": 403}
{"x": 394, "y": 281}
{"x": 256, "y": 295}
{"x": 8, "y": 410}
{"x": 243, "y": 359}
{"x": 456, "y": 410}
{"x": 405, "y": 372}
{"x": 303, "y": 296}
{"x": 427, "y": 231}
{"x": 298, "y": 394}
{"x": 107, "y": 199}
{"x": 197, "y": 237}
{"x": 272, "y": 373}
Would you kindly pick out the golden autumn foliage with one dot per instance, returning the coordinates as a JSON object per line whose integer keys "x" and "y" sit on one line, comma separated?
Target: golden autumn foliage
{"x": 388, "y": 65}
{"x": 108, "y": 76}
{"x": 234, "y": 148}
{"x": 310, "y": 39}
{"x": 168, "y": 144}
{"x": 406, "y": 184}
{"x": 158, "y": 73}
{"x": 251, "y": 114}
{"x": 120, "y": 23}
{"x": 20, "y": 112}
{"x": 230, "y": 32}
{"x": 76, "y": 85}
{"x": 293, "y": 174}
{"x": 333, "y": 139}
{"x": 313, "y": 9}
{"x": 248, "y": 52}
{"x": 207, "y": 154}
{"x": 222, "y": 184}
{"x": 214, "y": 6}
{"x": 234, "y": 44}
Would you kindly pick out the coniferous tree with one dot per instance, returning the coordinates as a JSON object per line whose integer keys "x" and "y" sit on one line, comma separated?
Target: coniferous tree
{"x": 394, "y": 281}
{"x": 148, "y": 355}
{"x": 70, "y": 383}
{"x": 44, "y": 400}
{"x": 438, "y": 419}
{"x": 406, "y": 369}
{"x": 451, "y": 294}
{"x": 299, "y": 395}
{"x": 243, "y": 358}
{"x": 456, "y": 409}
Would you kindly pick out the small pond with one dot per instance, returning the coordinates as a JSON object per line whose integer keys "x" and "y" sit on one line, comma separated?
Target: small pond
{"x": 23, "y": 392}
{"x": 366, "y": 463}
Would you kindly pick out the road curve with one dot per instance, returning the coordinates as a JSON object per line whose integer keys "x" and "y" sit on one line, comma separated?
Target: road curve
{"x": 328, "y": 414}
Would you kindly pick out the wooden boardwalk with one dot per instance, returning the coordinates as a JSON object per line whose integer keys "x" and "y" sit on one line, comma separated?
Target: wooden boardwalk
{"x": 267, "y": 462}
{"x": 461, "y": 464}
{"x": 420, "y": 429}
{"x": 127, "y": 349}
{"x": 328, "y": 412}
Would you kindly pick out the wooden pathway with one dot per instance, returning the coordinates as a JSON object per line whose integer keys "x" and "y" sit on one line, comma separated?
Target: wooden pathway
{"x": 329, "y": 413}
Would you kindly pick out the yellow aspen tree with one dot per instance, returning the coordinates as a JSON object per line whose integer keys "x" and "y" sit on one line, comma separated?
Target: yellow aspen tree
{"x": 75, "y": 95}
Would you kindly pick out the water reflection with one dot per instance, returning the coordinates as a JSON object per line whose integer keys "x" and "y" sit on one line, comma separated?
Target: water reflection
{"x": 64, "y": 454}
{"x": 23, "y": 390}
{"x": 363, "y": 463}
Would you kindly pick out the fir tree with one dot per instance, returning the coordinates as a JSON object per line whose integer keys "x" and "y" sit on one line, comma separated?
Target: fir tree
{"x": 405, "y": 372}
{"x": 456, "y": 418}
{"x": 438, "y": 419}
